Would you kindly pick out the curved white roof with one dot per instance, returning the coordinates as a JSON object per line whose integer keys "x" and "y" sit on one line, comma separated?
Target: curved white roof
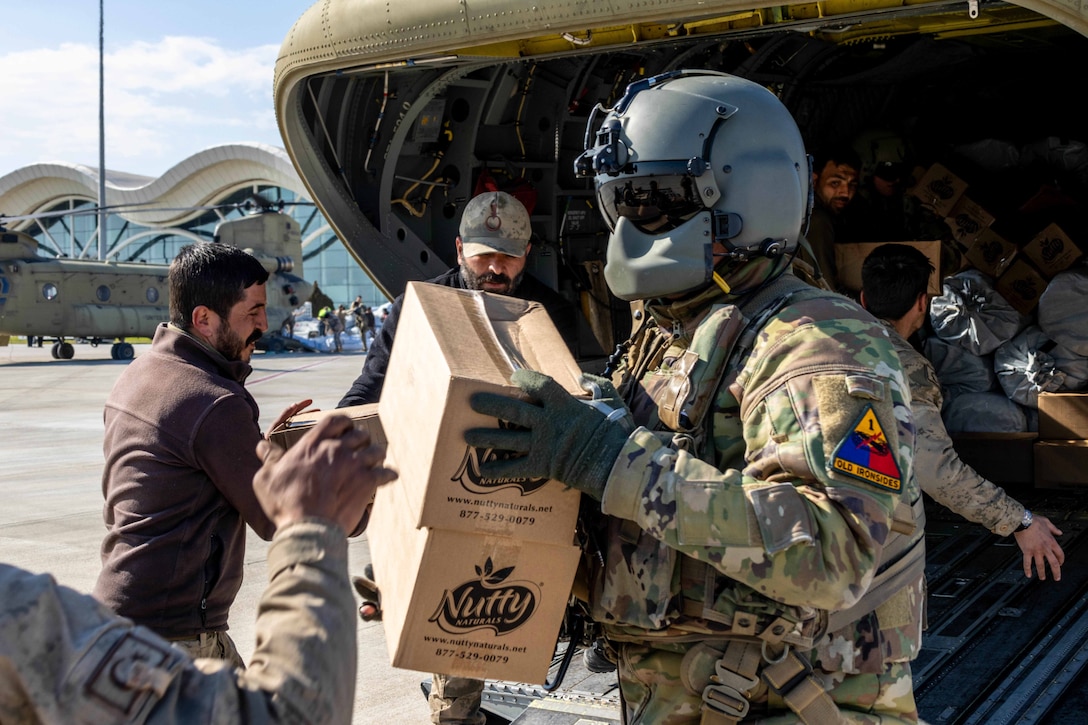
{"x": 200, "y": 180}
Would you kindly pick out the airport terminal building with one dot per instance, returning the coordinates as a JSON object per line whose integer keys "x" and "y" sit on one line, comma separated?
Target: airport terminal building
{"x": 150, "y": 219}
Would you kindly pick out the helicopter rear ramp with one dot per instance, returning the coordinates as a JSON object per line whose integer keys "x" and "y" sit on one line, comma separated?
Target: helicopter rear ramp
{"x": 1000, "y": 649}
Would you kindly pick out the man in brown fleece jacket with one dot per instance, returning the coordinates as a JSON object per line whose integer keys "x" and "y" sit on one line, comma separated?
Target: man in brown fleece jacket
{"x": 181, "y": 434}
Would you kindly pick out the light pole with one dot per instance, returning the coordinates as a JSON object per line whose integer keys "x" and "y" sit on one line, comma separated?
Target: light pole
{"x": 101, "y": 130}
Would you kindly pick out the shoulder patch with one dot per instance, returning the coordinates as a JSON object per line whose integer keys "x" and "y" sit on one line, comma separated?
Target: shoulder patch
{"x": 864, "y": 454}
{"x": 129, "y": 678}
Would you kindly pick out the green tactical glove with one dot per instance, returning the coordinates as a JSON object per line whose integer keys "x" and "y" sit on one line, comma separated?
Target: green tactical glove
{"x": 563, "y": 438}
{"x": 607, "y": 399}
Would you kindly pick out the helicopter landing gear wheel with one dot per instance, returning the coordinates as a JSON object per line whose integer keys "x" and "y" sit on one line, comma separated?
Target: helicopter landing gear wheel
{"x": 122, "y": 351}
{"x": 55, "y": 351}
{"x": 66, "y": 351}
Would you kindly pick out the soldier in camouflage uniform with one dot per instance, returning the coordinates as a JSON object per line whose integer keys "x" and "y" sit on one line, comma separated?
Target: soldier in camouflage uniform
{"x": 66, "y": 659}
{"x": 894, "y": 279}
{"x": 759, "y": 542}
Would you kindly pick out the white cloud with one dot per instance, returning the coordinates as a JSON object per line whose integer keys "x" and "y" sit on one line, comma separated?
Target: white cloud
{"x": 164, "y": 101}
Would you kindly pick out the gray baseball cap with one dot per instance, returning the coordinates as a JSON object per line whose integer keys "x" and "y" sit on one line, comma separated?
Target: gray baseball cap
{"x": 495, "y": 222}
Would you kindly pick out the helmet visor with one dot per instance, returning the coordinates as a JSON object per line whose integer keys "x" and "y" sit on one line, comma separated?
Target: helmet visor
{"x": 653, "y": 203}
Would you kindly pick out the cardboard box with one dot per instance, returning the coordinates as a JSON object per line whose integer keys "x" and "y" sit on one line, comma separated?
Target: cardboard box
{"x": 939, "y": 189}
{"x": 849, "y": 257}
{"x": 967, "y": 220}
{"x": 1063, "y": 416}
{"x": 365, "y": 417}
{"x": 450, "y": 344}
{"x": 991, "y": 253}
{"x": 1021, "y": 285}
{"x": 470, "y": 605}
{"x": 1061, "y": 464}
{"x": 1051, "y": 250}
{"x": 1007, "y": 459}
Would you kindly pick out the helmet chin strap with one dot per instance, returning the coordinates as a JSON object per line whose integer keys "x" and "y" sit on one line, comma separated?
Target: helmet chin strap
{"x": 721, "y": 283}
{"x": 773, "y": 249}
{"x": 770, "y": 248}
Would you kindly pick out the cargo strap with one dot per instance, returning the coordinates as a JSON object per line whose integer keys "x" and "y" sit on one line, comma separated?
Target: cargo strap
{"x": 788, "y": 625}
{"x": 738, "y": 678}
{"x": 810, "y": 273}
{"x": 722, "y": 339}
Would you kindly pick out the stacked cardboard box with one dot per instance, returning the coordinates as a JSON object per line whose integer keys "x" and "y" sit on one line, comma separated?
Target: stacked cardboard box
{"x": 1020, "y": 268}
{"x": 1043, "y": 256}
{"x": 849, "y": 259}
{"x": 990, "y": 253}
{"x": 475, "y": 573}
{"x": 939, "y": 189}
{"x": 1061, "y": 453}
{"x": 967, "y": 221}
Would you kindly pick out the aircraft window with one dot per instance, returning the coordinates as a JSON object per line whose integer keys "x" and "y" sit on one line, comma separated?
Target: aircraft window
{"x": 152, "y": 294}
{"x": 49, "y": 291}
{"x": 102, "y": 293}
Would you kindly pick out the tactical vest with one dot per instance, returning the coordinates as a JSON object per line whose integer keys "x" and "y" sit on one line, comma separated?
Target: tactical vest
{"x": 677, "y": 411}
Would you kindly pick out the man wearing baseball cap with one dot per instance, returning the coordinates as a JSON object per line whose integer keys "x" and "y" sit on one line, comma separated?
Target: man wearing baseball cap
{"x": 492, "y": 248}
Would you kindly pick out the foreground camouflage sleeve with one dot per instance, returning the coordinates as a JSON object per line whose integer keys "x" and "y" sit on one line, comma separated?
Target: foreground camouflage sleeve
{"x": 790, "y": 510}
{"x": 64, "y": 658}
{"x": 938, "y": 467}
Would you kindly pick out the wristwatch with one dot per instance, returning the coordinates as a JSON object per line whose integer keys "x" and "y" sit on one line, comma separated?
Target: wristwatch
{"x": 1026, "y": 521}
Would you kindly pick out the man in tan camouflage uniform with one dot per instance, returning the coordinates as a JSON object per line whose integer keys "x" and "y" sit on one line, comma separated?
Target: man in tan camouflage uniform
{"x": 65, "y": 658}
{"x": 760, "y": 529}
{"x": 894, "y": 280}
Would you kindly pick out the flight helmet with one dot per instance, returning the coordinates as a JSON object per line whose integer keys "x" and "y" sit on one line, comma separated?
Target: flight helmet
{"x": 689, "y": 158}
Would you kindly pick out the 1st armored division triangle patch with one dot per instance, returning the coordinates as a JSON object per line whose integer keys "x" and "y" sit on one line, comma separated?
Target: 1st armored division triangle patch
{"x": 866, "y": 455}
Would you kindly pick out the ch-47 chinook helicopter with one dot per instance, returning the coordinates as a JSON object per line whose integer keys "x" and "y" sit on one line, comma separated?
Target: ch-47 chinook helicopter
{"x": 394, "y": 114}
{"x": 59, "y": 299}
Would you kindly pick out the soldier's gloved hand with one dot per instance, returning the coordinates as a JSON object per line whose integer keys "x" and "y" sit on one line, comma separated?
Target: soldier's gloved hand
{"x": 607, "y": 399}
{"x": 563, "y": 438}
{"x": 371, "y": 608}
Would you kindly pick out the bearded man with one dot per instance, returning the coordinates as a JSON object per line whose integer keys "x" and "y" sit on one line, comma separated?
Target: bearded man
{"x": 492, "y": 249}
{"x": 181, "y": 434}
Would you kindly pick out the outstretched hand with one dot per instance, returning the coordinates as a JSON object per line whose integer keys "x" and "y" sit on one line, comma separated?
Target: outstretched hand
{"x": 560, "y": 436}
{"x": 1039, "y": 546}
{"x": 331, "y": 473}
{"x": 288, "y": 413}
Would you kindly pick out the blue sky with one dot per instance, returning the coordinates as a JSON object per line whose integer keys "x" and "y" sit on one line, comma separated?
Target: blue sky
{"x": 181, "y": 75}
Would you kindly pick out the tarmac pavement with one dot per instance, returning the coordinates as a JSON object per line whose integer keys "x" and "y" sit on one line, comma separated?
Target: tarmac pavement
{"x": 51, "y": 488}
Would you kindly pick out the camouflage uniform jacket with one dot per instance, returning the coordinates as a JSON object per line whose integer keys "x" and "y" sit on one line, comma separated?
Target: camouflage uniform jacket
{"x": 938, "y": 468}
{"x": 783, "y": 518}
{"x": 64, "y": 658}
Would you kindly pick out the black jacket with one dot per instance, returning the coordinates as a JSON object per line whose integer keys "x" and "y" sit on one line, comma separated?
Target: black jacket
{"x": 367, "y": 388}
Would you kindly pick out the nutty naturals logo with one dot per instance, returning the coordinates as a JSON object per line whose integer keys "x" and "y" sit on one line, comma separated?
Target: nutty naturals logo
{"x": 468, "y": 473}
{"x": 1026, "y": 288}
{"x": 1052, "y": 248}
{"x": 942, "y": 187}
{"x": 991, "y": 251}
{"x": 967, "y": 225}
{"x": 487, "y": 602}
